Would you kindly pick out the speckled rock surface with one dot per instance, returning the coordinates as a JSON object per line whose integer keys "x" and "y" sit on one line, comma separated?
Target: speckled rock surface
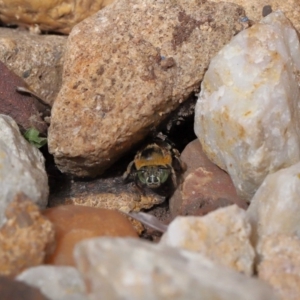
{"x": 205, "y": 186}
{"x": 135, "y": 269}
{"x": 25, "y": 238}
{"x": 73, "y": 224}
{"x": 59, "y": 15}
{"x": 108, "y": 193}
{"x": 253, "y": 8}
{"x": 275, "y": 207}
{"x": 38, "y": 59}
{"x": 123, "y": 75}
{"x": 55, "y": 282}
{"x": 280, "y": 265}
{"x": 247, "y": 115}
{"x": 222, "y": 235}
{"x": 21, "y": 167}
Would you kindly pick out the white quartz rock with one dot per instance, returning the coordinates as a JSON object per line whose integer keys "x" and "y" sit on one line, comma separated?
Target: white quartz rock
{"x": 21, "y": 167}
{"x": 222, "y": 235}
{"x": 275, "y": 206}
{"x": 55, "y": 282}
{"x": 247, "y": 115}
{"x": 280, "y": 265}
{"x": 125, "y": 268}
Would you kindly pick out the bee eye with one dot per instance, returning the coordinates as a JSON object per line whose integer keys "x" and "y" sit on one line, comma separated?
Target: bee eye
{"x": 163, "y": 175}
{"x": 142, "y": 175}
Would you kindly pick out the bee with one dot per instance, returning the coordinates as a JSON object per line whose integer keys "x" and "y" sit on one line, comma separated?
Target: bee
{"x": 154, "y": 165}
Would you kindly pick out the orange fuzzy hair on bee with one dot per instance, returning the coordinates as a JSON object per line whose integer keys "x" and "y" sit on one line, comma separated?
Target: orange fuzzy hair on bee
{"x": 153, "y": 155}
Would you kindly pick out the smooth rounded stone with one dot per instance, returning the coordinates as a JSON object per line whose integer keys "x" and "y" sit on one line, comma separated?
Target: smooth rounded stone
{"x": 55, "y": 282}
{"x": 280, "y": 265}
{"x": 75, "y": 223}
{"x": 205, "y": 186}
{"x": 222, "y": 235}
{"x": 275, "y": 207}
{"x": 123, "y": 75}
{"x": 116, "y": 268}
{"x": 49, "y": 15}
{"x": 255, "y": 9}
{"x": 14, "y": 290}
{"x": 25, "y": 238}
{"x": 38, "y": 59}
{"x": 22, "y": 167}
{"x": 247, "y": 116}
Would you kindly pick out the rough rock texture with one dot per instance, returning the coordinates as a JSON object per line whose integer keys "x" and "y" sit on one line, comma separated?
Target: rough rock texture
{"x": 254, "y": 9}
{"x": 14, "y": 290}
{"x": 109, "y": 193}
{"x": 247, "y": 114}
{"x": 59, "y": 15}
{"x": 21, "y": 167}
{"x": 75, "y": 223}
{"x": 38, "y": 59}
{"x": 205, "y": 186}
{"x": 25, "y": 238}
{"x": 135, "y": 269}
{"x": 222, "y": 235}
{"x": 24, "y": 109}
{"x": 275, "y": 207}
{"x": 280, "y": 265}
{"x": 123, "y": 75}
{"x": 57, "y": 283}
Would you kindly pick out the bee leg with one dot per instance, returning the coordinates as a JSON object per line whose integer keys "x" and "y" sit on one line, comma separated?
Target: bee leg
{"x": 180, "y": 164}
{"x": 174, "y": 178}
{"x": 128, "y": 171}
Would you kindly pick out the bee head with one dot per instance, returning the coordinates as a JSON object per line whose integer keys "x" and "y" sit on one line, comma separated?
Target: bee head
{"x": 153, "y": 176}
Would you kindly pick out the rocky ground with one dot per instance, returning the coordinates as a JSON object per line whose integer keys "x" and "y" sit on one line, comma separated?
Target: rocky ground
{"x": 86, "y": 86}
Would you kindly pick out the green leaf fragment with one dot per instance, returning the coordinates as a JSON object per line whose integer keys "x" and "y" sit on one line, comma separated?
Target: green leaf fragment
{"x": 32, "y": 136}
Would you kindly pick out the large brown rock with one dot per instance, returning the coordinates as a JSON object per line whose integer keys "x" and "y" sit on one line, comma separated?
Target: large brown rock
{"x": 75, "y": 223}
{"x": 38, "y": 59}
{"x": 126, "y": 68}
{"x": 256, "y": 9}
{"x": 25, "y": 238}
{"x": 205, "y": 186}
{"x": 58, "y": 15}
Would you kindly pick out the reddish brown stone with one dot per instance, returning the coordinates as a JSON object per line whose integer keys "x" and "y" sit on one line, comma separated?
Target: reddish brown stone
{"x": 75, "y": 223}
{"x": 24, "y": 238}
{"x": 16, "y": 290}
{"x": 24, "y": 109}
{"x": 205, "y": 186}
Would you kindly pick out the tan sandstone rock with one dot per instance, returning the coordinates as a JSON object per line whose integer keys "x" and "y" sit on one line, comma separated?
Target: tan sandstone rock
{"x": 125, "y": 69}
{"x": 247, "y": 116}
{"x": 73, "y": 224}
{"x": 25, "y": 238}
{"x": 48, "y": 15}
{"x": 254, "y": 8}
{"x": 222, "y": 235}
{"x": 38, "y": 59}
{"x": 109, "y": 193}
{"x": 280, "y": 265}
